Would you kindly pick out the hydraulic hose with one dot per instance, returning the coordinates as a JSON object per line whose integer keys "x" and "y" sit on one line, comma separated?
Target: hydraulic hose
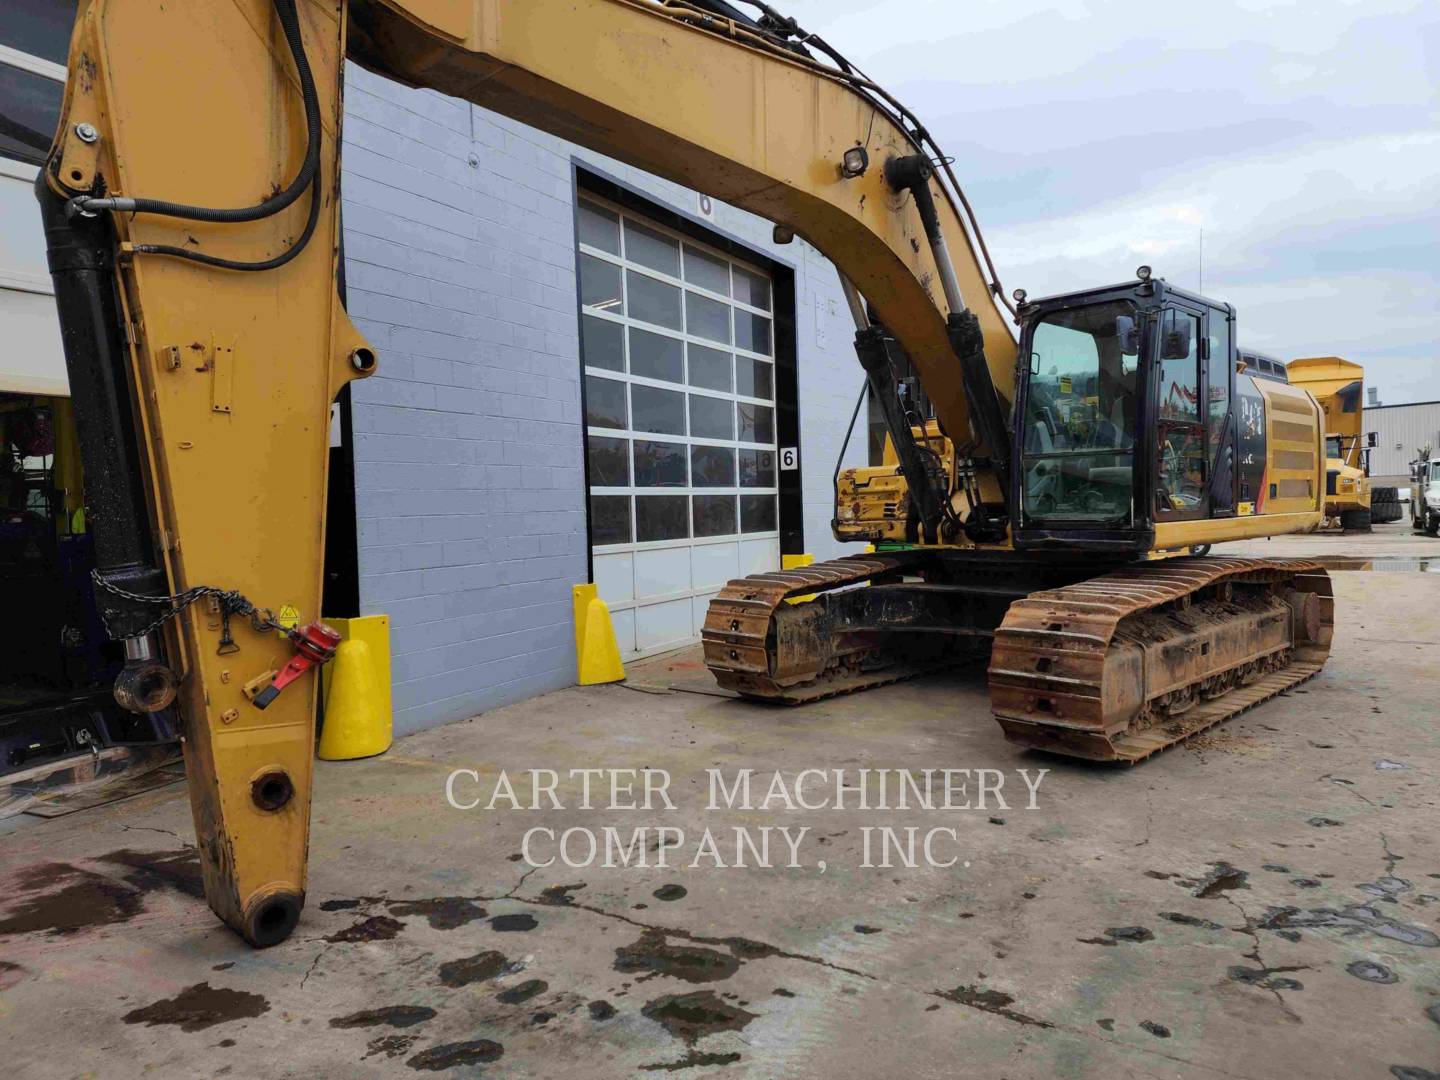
{"x": 774, "y": 32}
{"x": 306, "y": 177}
{"x": 311, "y": 220}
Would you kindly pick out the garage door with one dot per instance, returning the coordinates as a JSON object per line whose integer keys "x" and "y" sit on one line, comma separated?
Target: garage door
{"x": 677, "y": 343}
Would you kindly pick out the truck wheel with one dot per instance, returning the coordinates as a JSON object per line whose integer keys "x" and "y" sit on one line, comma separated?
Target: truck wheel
{"x": 1355, "y": 519}
{"x": 1432, "y": 525}
{"x": 1382, "y": 513}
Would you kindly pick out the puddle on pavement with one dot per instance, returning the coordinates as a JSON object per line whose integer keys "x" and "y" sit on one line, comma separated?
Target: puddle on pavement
{"x": 1222, "y": 878}
{"x": 1265, "y": 977}
{"x": 150, "y": 870}
{"x": 560, "y": 894}
{"x": 1134, "y": 934}
{"x": 652, "y": 955}
{"x": 693, "y": 1060}
{"x": 694, "y": 1015}
{"x": 1190, "y": 920}
{"x": 375, "y": 928}
{"x": 745, "y": 949}
{"x": 453, "y": 1055}
{"x": 395, "y": 1016}
{"x": 390, "y": 1045}
{"x": 991, "y": 1001}
{"x": 1399, "y": 563}
{"x": 442, "y": 912}
{"x": 478, "y": 968}
{"x": 83, "y": 900}
{"x": 200, "y": 1006}
{"x": 1372, "y": 972}
{"x": 523, "y": 991}
{"x": 1357, "y": 918}
{"x": 513, "y": 923}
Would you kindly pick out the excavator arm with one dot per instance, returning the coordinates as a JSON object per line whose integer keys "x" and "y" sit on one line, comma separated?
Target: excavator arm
{"x": 191, "y": 203}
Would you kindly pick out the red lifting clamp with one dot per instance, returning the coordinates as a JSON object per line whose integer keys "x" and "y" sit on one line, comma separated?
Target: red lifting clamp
{"x": 315, "y": 645}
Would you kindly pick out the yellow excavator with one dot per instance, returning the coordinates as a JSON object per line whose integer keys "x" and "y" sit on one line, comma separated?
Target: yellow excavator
{"x": 1339, "y": 388}
{"x": 190, "y": 203}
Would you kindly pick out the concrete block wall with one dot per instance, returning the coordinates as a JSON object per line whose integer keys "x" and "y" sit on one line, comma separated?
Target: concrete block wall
{"x": 470, "y": 490}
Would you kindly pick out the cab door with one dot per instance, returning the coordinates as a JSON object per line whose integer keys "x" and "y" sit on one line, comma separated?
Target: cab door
{"x": 1182, "y": 458}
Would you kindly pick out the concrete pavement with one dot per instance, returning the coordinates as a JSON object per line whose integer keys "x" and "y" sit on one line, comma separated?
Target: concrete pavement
{"x": 1263, "y": 902}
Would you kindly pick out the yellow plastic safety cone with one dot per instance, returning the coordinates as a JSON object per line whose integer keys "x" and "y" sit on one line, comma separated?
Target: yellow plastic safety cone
{"x": 358, "y": 723}
{"x": 597, "y": 654}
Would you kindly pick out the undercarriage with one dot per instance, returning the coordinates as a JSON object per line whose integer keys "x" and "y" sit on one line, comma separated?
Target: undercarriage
{"x": 1110, "y": 663}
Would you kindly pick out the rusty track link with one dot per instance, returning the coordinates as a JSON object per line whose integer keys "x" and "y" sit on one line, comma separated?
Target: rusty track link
{"x": 1120, "y": 666}
{"x": 748, "y": 653}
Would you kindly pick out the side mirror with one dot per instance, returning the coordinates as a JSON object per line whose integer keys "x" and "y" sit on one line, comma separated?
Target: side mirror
{"x": 1176, "y": 343}
{"x": 1372, "y": 439}
{"x": 1128, "y": 332}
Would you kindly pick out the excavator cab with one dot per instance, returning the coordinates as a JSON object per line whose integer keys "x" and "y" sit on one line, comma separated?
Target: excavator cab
{"x": 1121, "y": 418}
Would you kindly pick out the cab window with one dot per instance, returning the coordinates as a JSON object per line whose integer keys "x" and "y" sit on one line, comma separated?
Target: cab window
{"x": 1218, "y": 375}
{"x": 1182, "y": 443}
{"x": 1080, "y": 411}
{"x": 1180, "y": 367}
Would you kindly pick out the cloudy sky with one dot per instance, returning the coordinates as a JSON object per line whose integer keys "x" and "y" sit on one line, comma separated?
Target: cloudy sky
{"x": 1302, "y": 138}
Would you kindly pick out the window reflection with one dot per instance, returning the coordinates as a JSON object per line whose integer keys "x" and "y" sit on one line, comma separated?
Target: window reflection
{"x": 661, "y": 517}
{"x": 600, "y": 285}
{"x": 1182, "y": 468}
{"x": 1080, "y": 410}
{"x": 659, "y": 464}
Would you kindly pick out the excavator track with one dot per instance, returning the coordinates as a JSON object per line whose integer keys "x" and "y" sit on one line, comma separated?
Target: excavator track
{"x": 763, "y": 647}
{"x": 1120, "y": 666}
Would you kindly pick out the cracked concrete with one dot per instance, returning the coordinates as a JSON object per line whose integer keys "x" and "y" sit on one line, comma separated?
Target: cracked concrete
{"x": 423, "y": 916}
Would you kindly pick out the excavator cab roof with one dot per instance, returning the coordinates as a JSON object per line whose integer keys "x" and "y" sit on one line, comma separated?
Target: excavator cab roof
{"x": 1145, "y": 292}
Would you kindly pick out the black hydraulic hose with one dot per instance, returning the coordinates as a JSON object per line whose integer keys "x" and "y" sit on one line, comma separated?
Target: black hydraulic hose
{"x": 774, "y": 31}
{"x": 233, "y": 264}
{"x": 290, "y": 22}
{"x": 840, "y": 461}
{"x": 306, "y": 177}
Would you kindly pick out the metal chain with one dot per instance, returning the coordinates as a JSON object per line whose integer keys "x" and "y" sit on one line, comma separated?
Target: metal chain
{"x": 231, "y": 603}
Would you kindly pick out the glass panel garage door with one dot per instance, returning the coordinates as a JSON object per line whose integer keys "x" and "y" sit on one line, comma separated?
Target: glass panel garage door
{"x": 677, "y": 343}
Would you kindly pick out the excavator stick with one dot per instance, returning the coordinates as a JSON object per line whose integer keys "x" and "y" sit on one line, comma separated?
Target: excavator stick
{"x": 1123, "y": 665}
{"x": 204, "y": 353}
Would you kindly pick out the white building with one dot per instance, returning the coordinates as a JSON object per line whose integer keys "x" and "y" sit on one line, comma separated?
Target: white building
{"x": 1401, "y": 431}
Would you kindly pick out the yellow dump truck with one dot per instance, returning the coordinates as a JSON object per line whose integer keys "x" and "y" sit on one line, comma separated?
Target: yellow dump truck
{"x": 1339, "y": 385}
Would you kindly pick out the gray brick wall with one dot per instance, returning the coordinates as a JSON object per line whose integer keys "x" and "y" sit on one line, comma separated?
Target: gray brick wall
{"x": 468, "y": 442}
